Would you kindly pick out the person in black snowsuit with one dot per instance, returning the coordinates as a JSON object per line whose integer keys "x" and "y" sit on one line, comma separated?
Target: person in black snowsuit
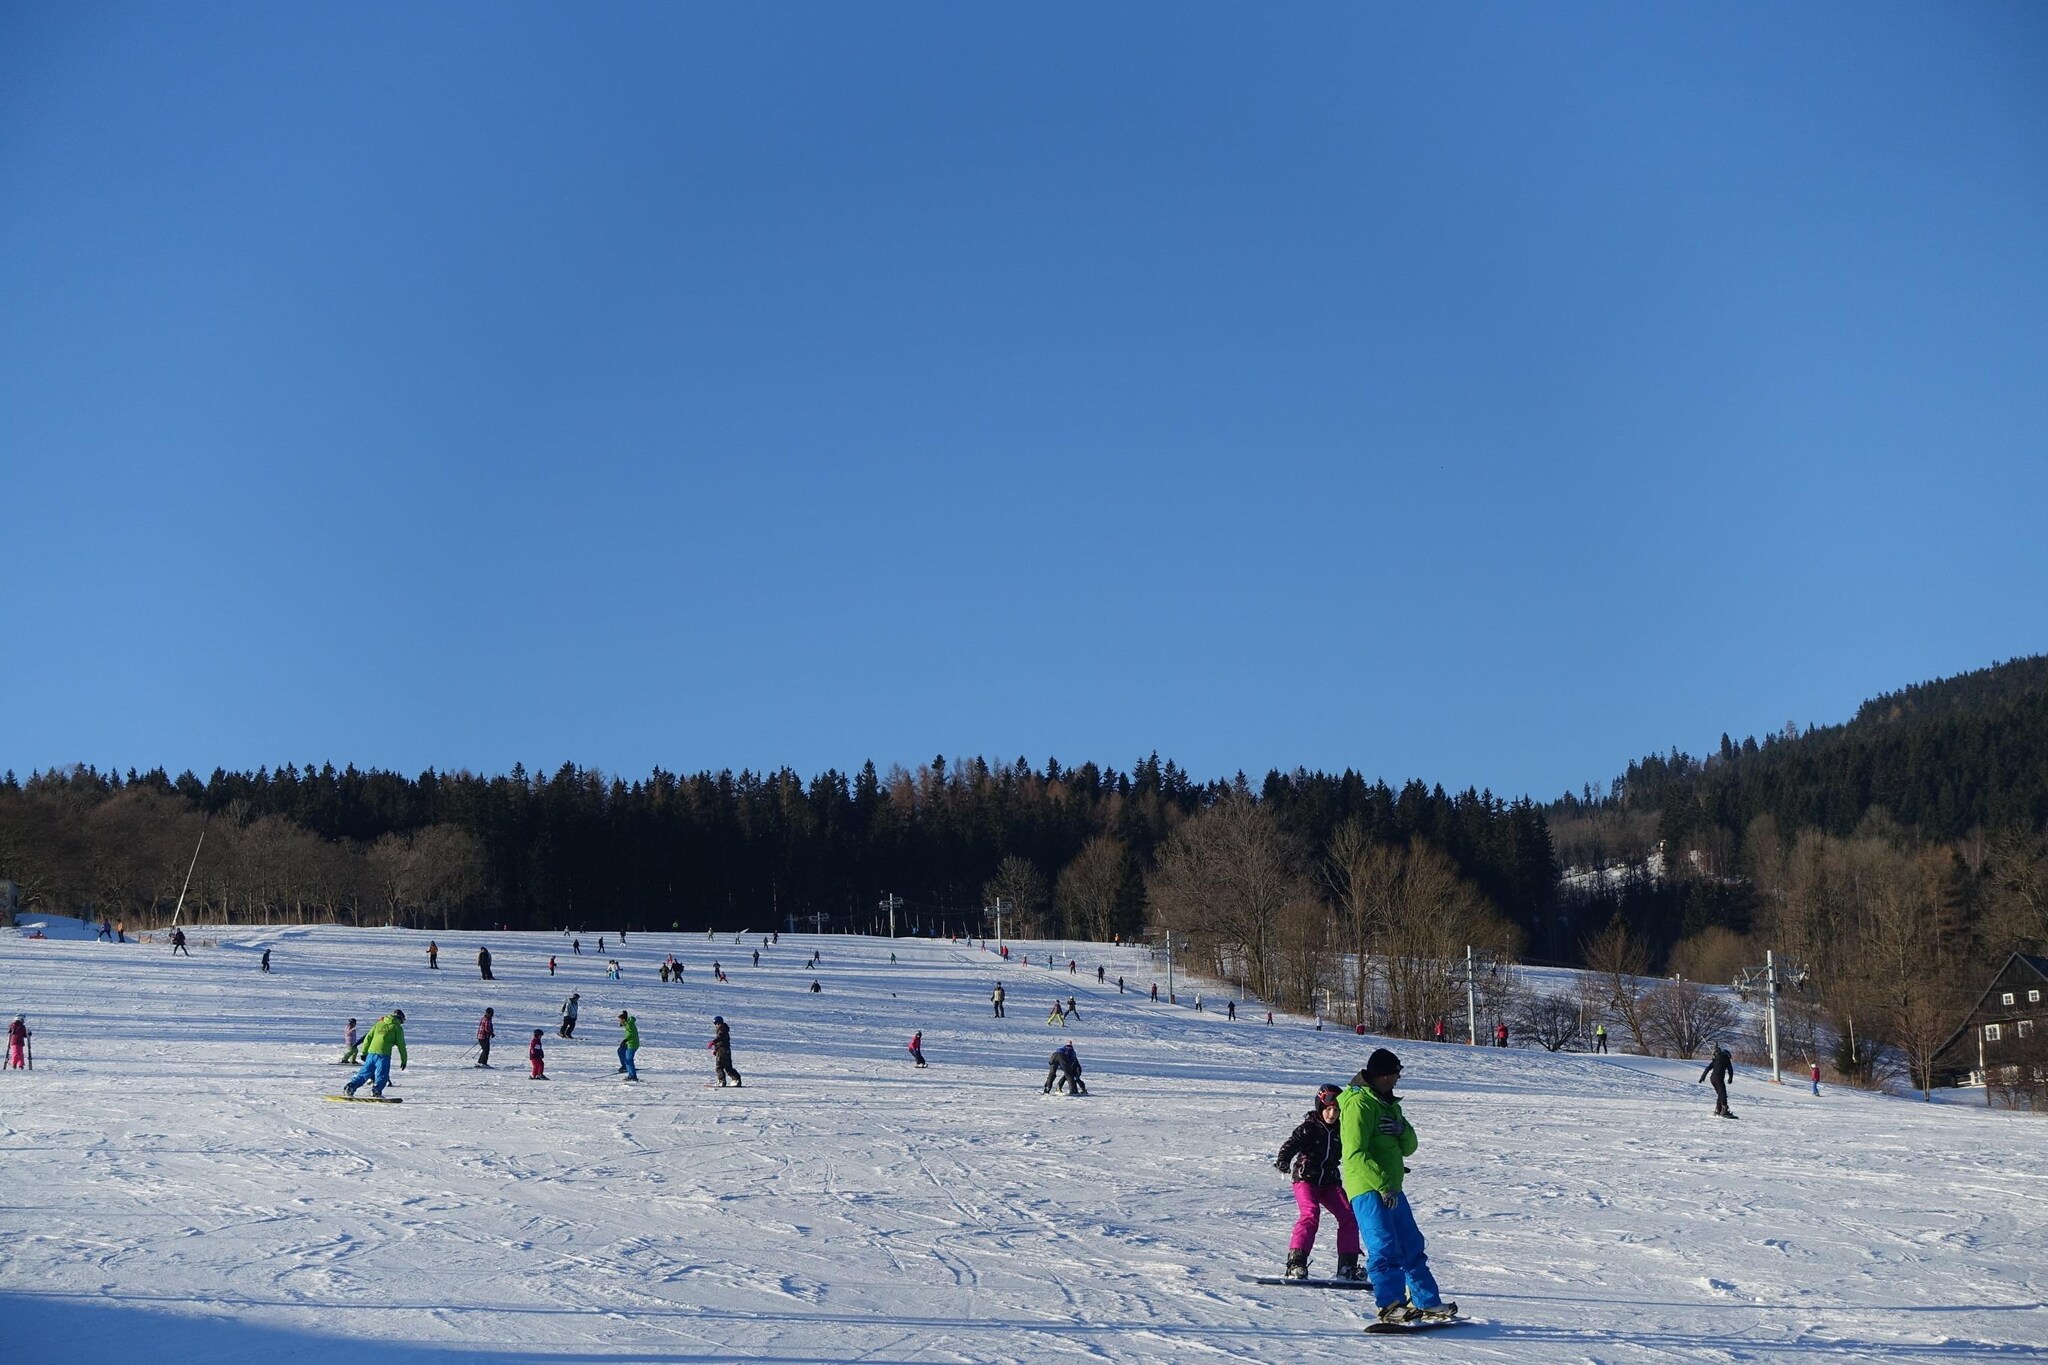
{"x": 1720, "y": 1070}
{"x": 483, "y": 963}
{"x": 721, "y": 1050}
{"x": 1063, "y": 1068}
{"x": 178, "y": 943}
{"x": 1313, "y": 1158}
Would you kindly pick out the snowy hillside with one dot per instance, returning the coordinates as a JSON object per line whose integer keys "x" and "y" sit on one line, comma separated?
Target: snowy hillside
{"x": 174, "y": 1187}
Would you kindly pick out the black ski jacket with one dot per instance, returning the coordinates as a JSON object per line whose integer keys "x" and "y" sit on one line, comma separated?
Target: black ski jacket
{"x": 1313, "y": 1152}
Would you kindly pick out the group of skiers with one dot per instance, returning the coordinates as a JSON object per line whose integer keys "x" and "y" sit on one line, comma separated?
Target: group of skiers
{"x": 387, "y": 1035}
{"x": 1348, "y": 1156}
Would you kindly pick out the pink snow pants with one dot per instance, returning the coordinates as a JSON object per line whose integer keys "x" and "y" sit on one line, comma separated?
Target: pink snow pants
{"x": 1312, "y": 1200}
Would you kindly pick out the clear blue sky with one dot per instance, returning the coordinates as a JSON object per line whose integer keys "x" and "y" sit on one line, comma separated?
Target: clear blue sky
{"x": 1489, "y": 393}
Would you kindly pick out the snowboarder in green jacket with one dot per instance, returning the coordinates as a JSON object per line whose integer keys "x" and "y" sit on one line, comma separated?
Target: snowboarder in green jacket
{"x": 1377, "y": 1138}
{"x": 629, "y": 1045}
{"x": 387, "y": 1033}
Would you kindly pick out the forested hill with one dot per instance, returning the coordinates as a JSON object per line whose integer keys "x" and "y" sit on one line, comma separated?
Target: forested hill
{"x": 1940, "y": 758}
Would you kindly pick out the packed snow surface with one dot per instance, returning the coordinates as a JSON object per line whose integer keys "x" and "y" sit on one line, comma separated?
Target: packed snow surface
{"x": 175, "y": 1187}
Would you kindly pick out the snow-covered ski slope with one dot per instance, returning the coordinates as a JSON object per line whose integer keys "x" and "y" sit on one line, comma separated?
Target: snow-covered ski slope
{"x": 174, "y": 1188}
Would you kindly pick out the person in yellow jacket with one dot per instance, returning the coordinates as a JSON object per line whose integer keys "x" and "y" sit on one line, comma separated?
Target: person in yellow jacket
{"x": 1377, "y": 1137}
{"x": 387, "y": 1033}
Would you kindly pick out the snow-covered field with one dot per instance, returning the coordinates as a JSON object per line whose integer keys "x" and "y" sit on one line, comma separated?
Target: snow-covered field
{"x": 174, "y": 1187}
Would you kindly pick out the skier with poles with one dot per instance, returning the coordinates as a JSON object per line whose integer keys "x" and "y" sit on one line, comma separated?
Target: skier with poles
{"x": 18, "y": 1045}
{"x": 485, "y": 1031}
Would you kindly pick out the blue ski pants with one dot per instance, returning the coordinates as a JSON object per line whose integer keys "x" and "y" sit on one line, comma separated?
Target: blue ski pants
{"x": 376, "y": 1070}
{"x": 1395, "y": 1260}
{"x": 626, "y": 1062}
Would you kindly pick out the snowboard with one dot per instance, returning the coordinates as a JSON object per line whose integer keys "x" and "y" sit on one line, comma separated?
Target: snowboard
{"x": 1311, "y": 1283}
{"x": 1389, "y": 1329}
{"x": 368, "y": 1099}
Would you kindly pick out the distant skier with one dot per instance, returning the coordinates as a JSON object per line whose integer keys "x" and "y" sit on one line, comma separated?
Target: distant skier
{"x": 1230, "y": 1006}
{"x": 1099, "y": 971}
{"x": 721, "y": 1051}
{"x": 569, "y": 1014}
{"x": 536, "y": 1054}
{"x": 178, "y": 943}
{"x": 355, "y": 1044}
{"x": 917, "y": 1047}
{"x": 1599, "y": 1037}
{"x": 995, "y": 997}
{"x": 1377, "y": 1140}
{"x": 1816, "y": 1078}
{"x": 1313, "y": 1158}
{"x": 1073, "y": 1009}
{"x": 1720, "y": 1070}
{"x": 1155, "y": 992}
{"x": 386, "y": 1034}
{"x": 486, "y": 1030}
{"x": 629, "y": 1044}
{"x": 1438, "y": 1032}
{"x": 1500, "y": 1034}
{"x": 551, "y": 964}
{"x": 815, "y": 987}
{"x": 576, "y": 946}
{"x": 18, "y": 1034}
{"x": 483, "y": 963}
{"x": 266, "y": 959}
{"x": 1057, "y": 1018}
{"x": 433, "y": 956}
{"x": 757, "y": 957}
{"x": 1119, "y": 985}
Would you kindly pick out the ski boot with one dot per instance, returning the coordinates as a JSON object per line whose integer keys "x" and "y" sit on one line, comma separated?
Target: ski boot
{"x": 1297, "y": 1265}
{"x": 1348, "y": 1268}
{"x": 1399, "y": 1313}
{"x": 1443, "y": 1312}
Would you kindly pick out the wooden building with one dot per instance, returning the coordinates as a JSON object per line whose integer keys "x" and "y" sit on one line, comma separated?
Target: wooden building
{"x": 2003, "y": 1044}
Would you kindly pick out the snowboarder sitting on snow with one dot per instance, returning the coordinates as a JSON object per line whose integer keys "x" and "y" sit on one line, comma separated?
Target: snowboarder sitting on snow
{"x": 387, "y": 1033}
{"x": 1313, "y": 1158}
{"x": 1721, "y": 1070}
{"x": 1377, "y": 1136}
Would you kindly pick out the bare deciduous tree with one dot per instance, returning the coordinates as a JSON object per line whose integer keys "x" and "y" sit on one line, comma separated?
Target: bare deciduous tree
{"x": 1020, "y": 884}
{"x": 1683, "y": 1018}
{"x": 1548, "y": 1019}
{"x": 1093, "y": 892}
{"x": 1621, "y": 960}
{"x": 1223, "y": 880}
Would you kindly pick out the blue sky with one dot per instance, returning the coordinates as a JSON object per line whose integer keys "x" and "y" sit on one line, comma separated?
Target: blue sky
{"x": 1484, "y": 393}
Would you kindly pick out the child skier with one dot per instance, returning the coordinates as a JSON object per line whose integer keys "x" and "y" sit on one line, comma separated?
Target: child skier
{"x": 18, "y": 1035}
{"x": 1377, "y": 1138}
{"x": 1313, "y": 1158}
{"x": 485, "y": 1031}
{"x": 354, "y": 1045}
{"x": 538, "y": 1056}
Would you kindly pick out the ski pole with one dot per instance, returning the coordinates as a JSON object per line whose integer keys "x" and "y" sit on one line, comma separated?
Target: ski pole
{"x": 29, "y": 1045}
